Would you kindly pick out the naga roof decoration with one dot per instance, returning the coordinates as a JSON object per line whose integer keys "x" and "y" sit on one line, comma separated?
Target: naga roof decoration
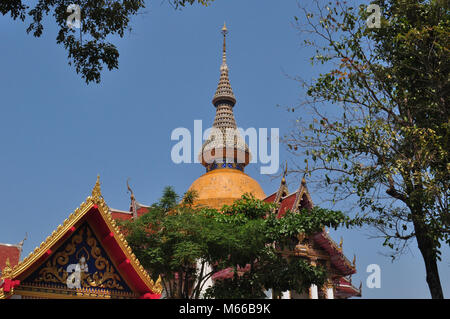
{"x": 136, "y": 209}
{"x": 94, "y": 211}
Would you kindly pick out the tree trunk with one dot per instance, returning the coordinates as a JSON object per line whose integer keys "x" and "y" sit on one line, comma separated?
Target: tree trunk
{"x": 426, "y": 247}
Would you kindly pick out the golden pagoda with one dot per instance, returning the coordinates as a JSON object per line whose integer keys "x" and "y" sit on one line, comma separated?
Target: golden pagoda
{"x": 225, "y": 156}
{"x": 225, "y": 153}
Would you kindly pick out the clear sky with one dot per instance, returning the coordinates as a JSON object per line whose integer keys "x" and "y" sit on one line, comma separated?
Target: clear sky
{"x": 57, "y": 133}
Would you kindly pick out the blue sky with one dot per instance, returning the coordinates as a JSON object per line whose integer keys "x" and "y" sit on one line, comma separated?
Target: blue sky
{"x": 57, "y": 133}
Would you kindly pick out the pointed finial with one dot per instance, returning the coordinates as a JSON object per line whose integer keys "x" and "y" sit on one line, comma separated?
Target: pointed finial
{"x": 21, "y": 243}
{"x": 224, "y": 53}
{"x": 224, "y": 91}
{"x": 354, "y": 260}
{"x": 133, "y": 207}
{"x": 303, "y": 181}
{"x": 130, "y": 190}
{"x": 306, "y": 171}
{"x": 283, "y": 180}
{"x": 224, "y": 29}
{"x": 96, "y": 191}
{"x": 341, "y": 242}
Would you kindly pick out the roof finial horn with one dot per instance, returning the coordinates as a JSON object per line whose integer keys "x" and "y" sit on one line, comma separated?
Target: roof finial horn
{"x": 305, "y": 172}
{"x": 283, "y": 180}
{"x": 96, "y": 191}
{"x": 130, "y": 190}
{"x": 133, "y": 206}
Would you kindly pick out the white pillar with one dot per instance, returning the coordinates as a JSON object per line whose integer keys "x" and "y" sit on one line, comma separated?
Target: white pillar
{"x": 313, "y": 292}
{"x": 330, "y": 293}
{"x": 285, "y": 295}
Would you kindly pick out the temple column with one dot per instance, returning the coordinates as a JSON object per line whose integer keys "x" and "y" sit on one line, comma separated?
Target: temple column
{"x": 329, "y": 291}
{"x": 313, "y": 292}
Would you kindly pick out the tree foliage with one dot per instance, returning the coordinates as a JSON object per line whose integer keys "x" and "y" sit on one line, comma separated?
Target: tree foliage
{"x": 380, "y": 126}
{"x": 186, "y": 245}
{"x": 89, "y": 48}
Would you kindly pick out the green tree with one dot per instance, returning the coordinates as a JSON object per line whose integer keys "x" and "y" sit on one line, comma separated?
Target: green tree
{"x": 178, "y": 242}
{"x": 266, "y": 261}
{"x": 380, "y": 118}
{"x": 88, "y": 48}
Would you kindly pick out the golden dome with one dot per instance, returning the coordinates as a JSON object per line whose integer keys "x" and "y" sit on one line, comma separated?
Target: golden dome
{"x": 223, "y": 186}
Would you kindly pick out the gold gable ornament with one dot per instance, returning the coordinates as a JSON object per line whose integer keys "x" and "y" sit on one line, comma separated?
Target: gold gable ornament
{"x": 97, "y": 201}
{"x": 7, "y": 270}
{"x": 96, "y": 191}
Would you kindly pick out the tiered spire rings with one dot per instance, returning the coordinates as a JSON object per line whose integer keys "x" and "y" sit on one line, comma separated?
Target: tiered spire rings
{"x": 224, "y": 148}
{"x": 224, "y": 93}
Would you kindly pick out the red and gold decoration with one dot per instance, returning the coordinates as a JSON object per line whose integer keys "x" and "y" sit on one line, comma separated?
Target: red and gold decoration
{"x": 81, "y": 249}
{"x": 90, "y": 240}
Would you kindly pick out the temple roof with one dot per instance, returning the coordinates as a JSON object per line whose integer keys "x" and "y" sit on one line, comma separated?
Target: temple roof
{"x": 97, "y": 215}
{"x": 301, "y": 199}
{"x": 345, "y": 288}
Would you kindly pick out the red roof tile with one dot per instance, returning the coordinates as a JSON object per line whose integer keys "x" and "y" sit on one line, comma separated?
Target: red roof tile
{"x": 123, "y": 215}
{"x": 286, "y": 203}
{"x": 120, "y": 215}
{"x": 9, "y": 251}
{"x": 270, "y": 198}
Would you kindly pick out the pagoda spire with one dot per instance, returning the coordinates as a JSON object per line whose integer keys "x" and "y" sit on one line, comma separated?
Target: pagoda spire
{"x": 224, "y": 92}
{"x": 224, "y": 148}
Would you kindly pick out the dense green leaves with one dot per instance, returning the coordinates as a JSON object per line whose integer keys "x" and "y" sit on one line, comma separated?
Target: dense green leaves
{"x": 180, "y": 242}
{"x": 271, "y": 272}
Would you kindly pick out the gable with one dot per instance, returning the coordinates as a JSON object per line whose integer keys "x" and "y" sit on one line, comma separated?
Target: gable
{"x": 287, "y": 203}
{"x": 83, "y": 250}
{"x": 111, "y": 269}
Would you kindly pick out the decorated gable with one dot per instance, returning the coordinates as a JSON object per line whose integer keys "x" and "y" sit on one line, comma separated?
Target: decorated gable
{"x": 87, "y": 256}
{"x": 79, "y": 263}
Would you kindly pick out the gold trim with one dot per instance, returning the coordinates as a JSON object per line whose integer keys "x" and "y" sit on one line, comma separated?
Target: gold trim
{"x": 95, "y": 199}
{"x": 48, "y": 291}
